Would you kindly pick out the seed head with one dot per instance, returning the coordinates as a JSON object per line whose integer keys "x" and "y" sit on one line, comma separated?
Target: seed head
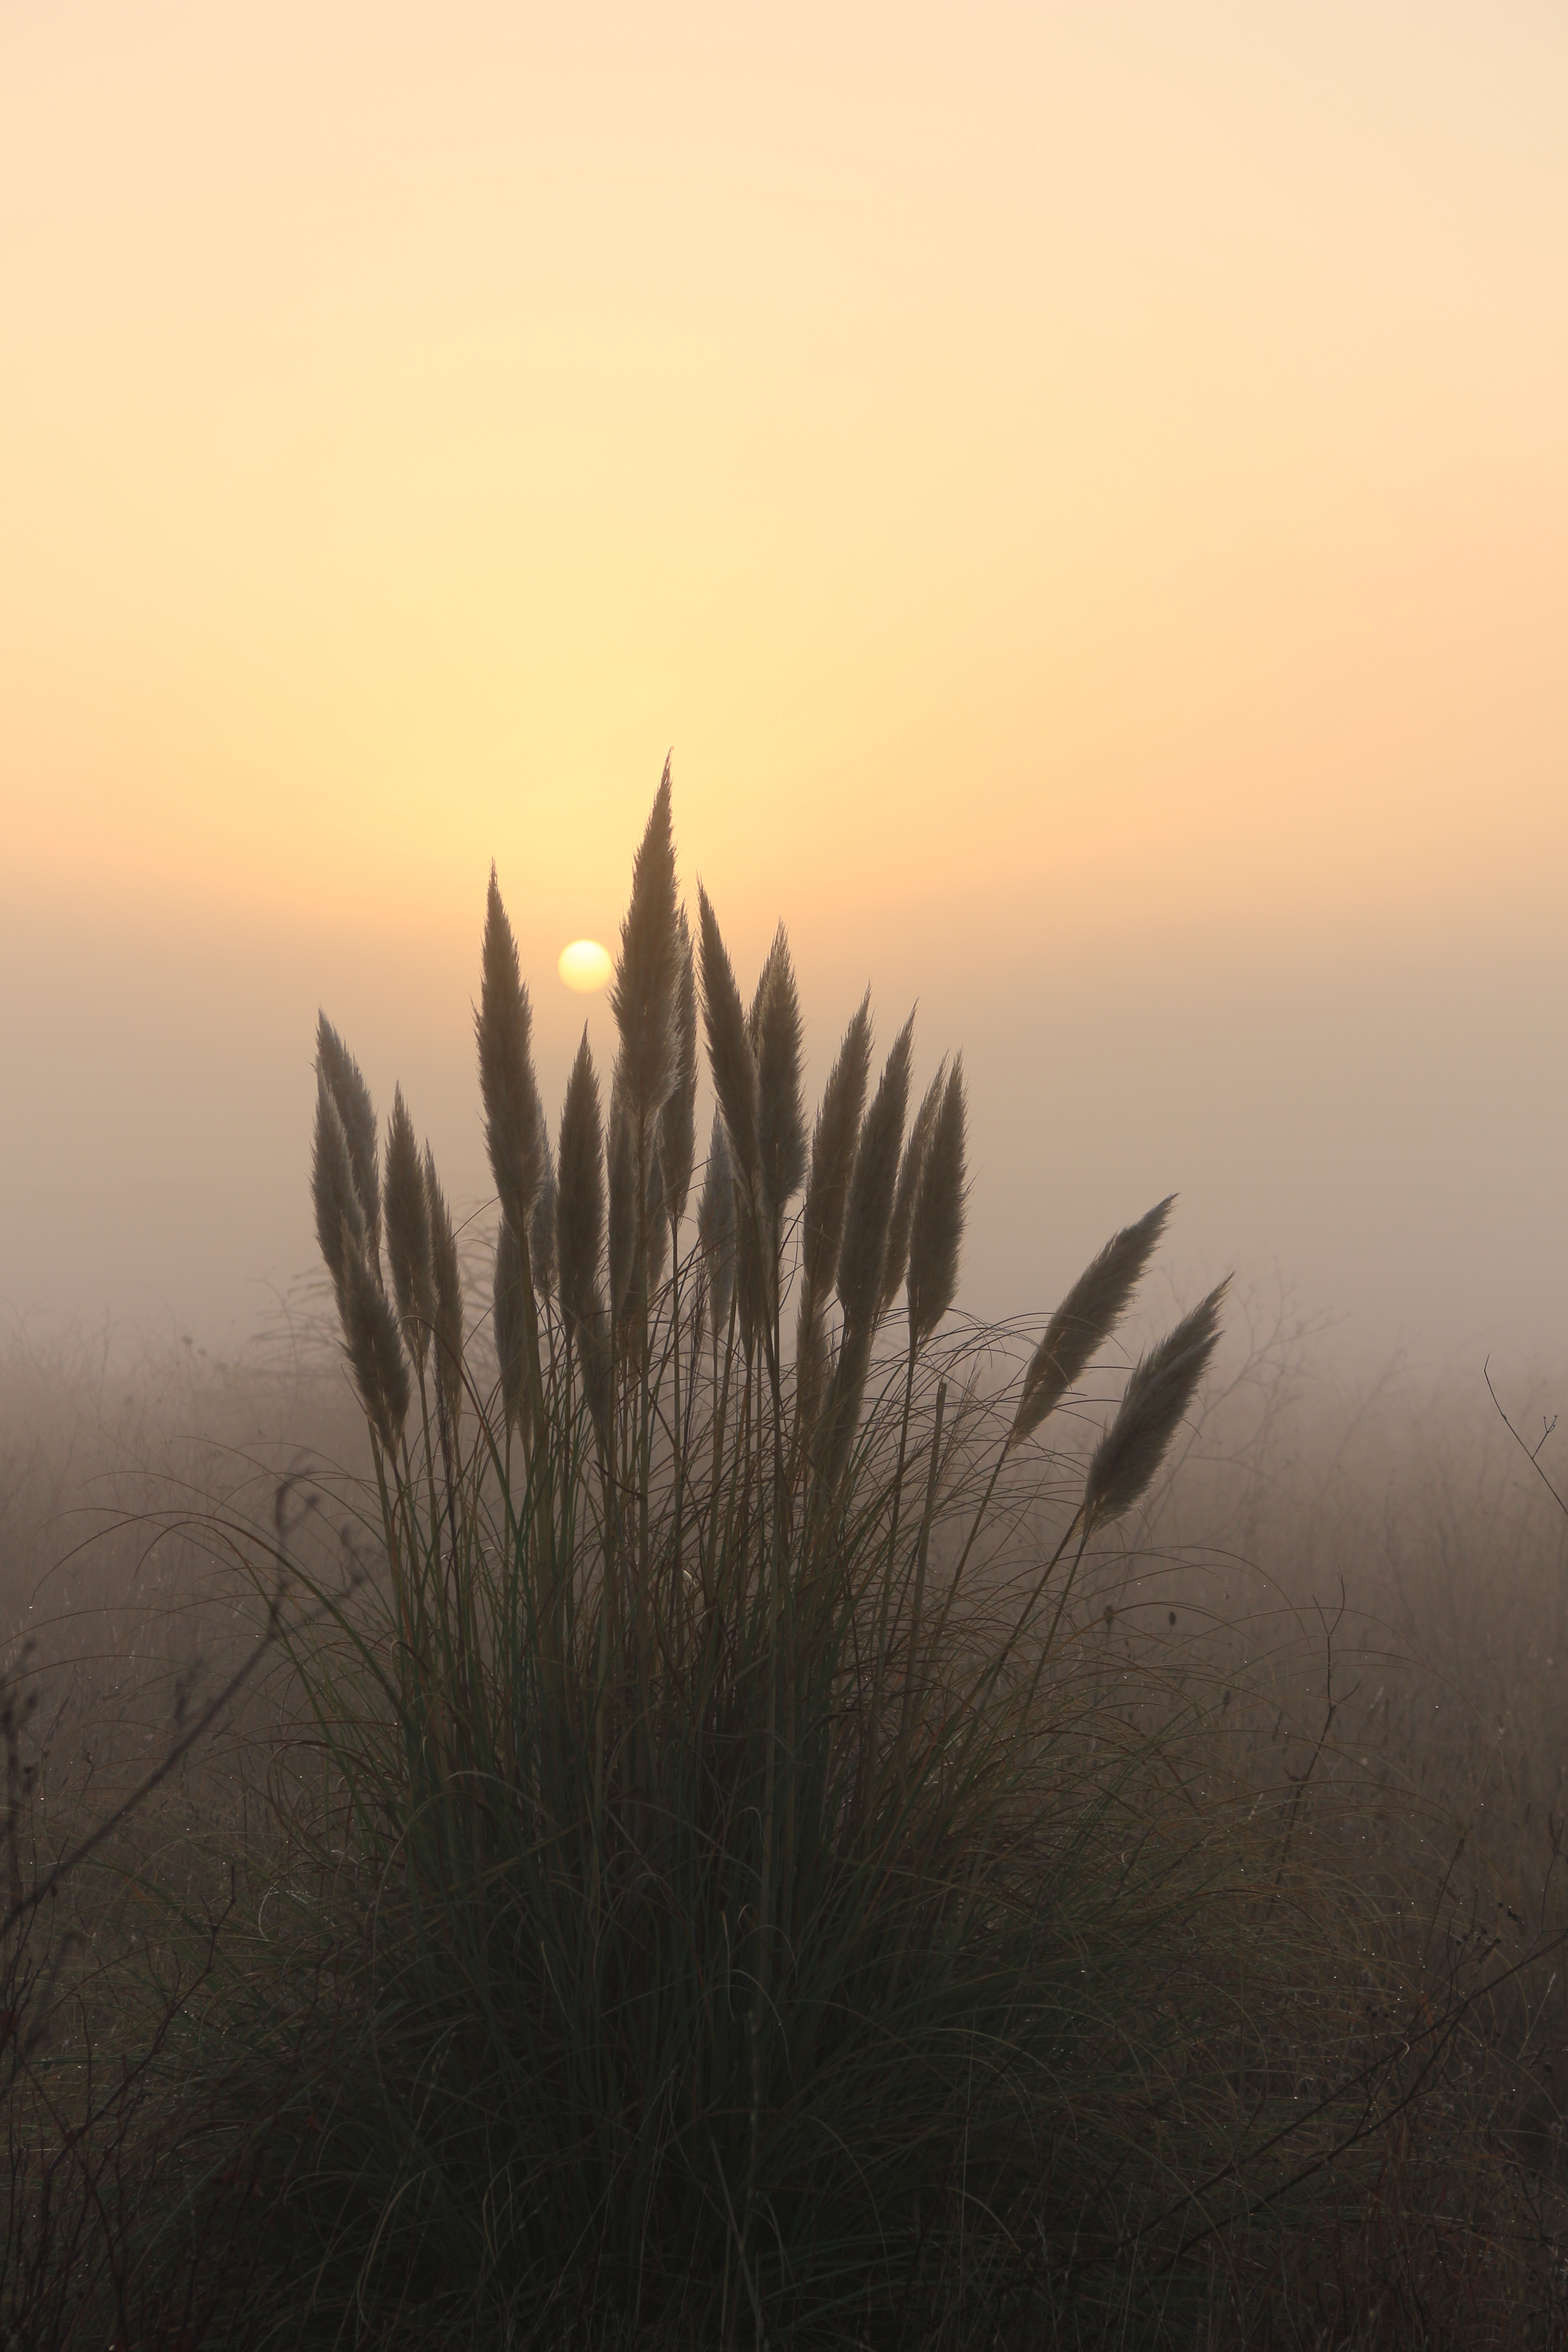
{"x": 863, "y": 1253}
{"x": 833, "y": 1143}
{"x": 936, "y": 1230}
{"x": 449, "y": 1300}
{"x": 1156, "y": 1396}
{"x": 502, "y": 1028}
{"x": 580, "y": 1190}
{"x": 1086, "y": 1319}
{"x": 645, "y": 996}
{"x": 408, "y": 1247}
{"x": 344, "y": 1081}
{"x": 909, "y": 1172}
{"x": 781, "y": 1115}
{"x": 332, "y": 1188}
{"x": 716, "y": 1227}
{"x": 371, "y": 1345}
{"x": 678, "y": 1120}
{"x": 621, "y": 1152}
{"x": 730, "y": 1055}
{"x": 541, "y": 1225}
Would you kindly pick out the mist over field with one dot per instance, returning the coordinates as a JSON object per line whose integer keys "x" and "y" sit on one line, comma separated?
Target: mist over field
{"x": 1082, "y": 494}
{"x": 1377, "y": 1136}
{"x": 767, "y": 1713}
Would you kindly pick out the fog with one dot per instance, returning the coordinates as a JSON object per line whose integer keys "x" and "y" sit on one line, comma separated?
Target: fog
{"x": 1376, "y": 1141}
{"x": 1083, "y": 493}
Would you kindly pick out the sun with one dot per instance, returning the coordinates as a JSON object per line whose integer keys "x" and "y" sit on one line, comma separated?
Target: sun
{"x": 584, "y": 966}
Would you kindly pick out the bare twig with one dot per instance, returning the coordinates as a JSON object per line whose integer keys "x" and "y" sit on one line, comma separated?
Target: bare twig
{"x": 1530, "y": 1454}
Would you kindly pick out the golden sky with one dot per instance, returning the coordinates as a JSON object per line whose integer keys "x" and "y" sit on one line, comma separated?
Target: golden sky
{"x": 1083, "y": 490}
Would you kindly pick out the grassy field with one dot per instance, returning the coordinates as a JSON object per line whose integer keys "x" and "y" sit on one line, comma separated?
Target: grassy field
{"x": 629, "y": 1777}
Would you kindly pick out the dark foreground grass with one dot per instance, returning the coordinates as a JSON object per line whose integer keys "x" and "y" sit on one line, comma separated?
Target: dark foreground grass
{"x": 681, "y": 1852}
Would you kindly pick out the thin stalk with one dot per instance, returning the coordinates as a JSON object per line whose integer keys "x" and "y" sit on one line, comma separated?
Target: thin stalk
{"x": 675, "y": 1352}
{"x": 1049, "y": 1642}
{"x": 922, "y": 1554}
{"x": 536, "y": 1437}
{"x": 879, "y": 1664}
{"x": 988, "y": 1679}
{"x": 771, "y": 1339}
{"x": 969, "y": 1541}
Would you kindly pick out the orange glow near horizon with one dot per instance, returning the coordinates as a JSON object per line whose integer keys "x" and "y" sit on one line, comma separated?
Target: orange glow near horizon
{"x": 1138, "y": 432}
{"x": 1065, "y": 481}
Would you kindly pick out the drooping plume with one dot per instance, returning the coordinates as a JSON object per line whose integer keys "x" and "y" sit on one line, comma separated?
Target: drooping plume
{"x": 408, "y": 1245}
{"x": 645, "y": 996}
{"x": 936, "y": 1230}
{"x": 502, "y": 1027}
{"x": 1086, "y": 1319}
{"x": 341, "y": 1074}
{"x": 1156, "y": 1396}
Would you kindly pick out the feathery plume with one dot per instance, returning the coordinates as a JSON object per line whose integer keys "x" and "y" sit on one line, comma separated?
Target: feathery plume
{"x": 863, "y": 1255}
{"x": 510, "y": 1342}
{"x": 753, "y": 1299}
{"x": 813, "y": 1362}
{"x": 1156, "y": 1396}
{"x": 541, "y": 1225}
{"x": 502, "y": 1026}
{"x": 621, "y": 1154}
{"x": 332, "y": 1188}
{"x": 936, "y": 1229}
{"x": 336, "y": 1067}
{"x": 579, "y": 1191}
{"x": 644, "y": 997}
{"x": 580, "y": 1234}
{"x": 730, "y": 1055}
{"x": 909, "y": 1173}
{"x": 408, "y": 1247}
{"x": 869, "y": 1210}
{"x": 781, "y": 1115}
{"x": 716, "y": 1227}
{"x": 678, "y": 1120}
{"x": 1086, "y": 1319}
{"x": 834, "y": 1434}
{"x": 833, "y": 1144}
{"x": 448, "y": 1299}
{"x": 371, "y": 1345}
{"x": 595, "y": 1360}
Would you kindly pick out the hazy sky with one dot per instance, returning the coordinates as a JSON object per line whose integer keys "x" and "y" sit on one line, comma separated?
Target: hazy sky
{"x": 1082, "y": 489}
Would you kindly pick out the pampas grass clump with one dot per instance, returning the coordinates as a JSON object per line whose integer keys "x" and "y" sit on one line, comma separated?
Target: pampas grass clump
{"x": 716, "y": 1905}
